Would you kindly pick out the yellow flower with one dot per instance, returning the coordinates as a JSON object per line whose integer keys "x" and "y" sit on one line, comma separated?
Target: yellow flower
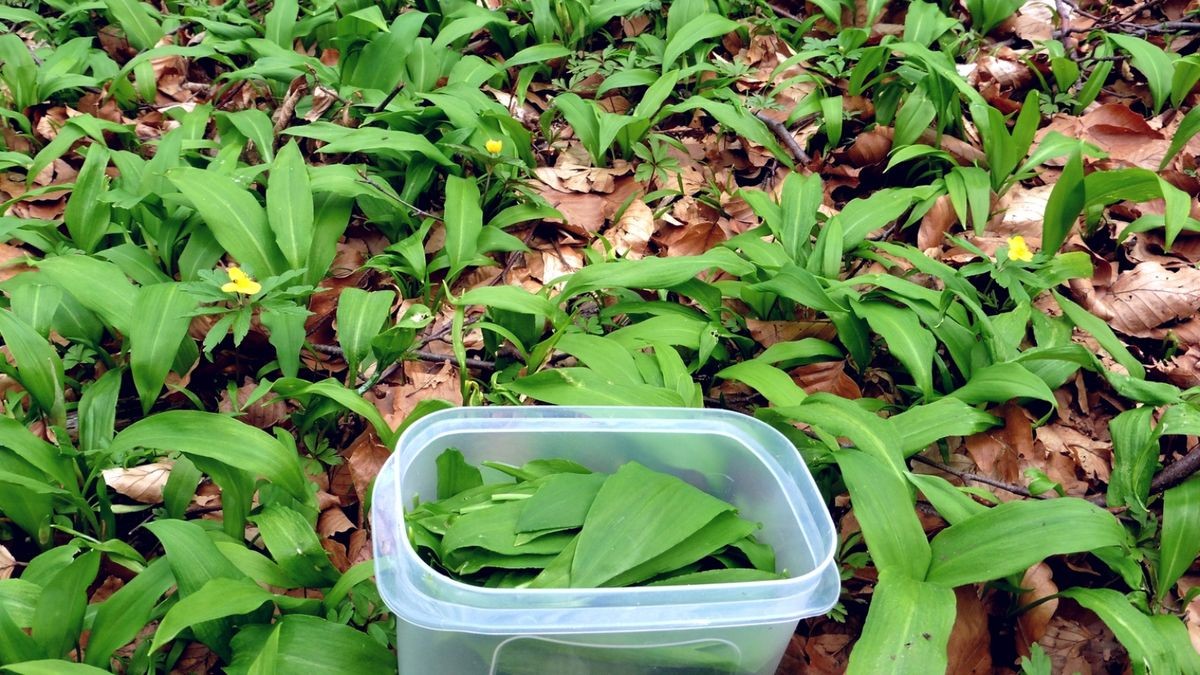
{"x": 1018, "y": 249}
{"x": 240, "y": 282}
{"x": 494, "y": 145}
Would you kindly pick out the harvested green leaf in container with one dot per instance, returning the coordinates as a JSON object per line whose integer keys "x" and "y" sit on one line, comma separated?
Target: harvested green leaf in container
{"x": 559, "y": 525}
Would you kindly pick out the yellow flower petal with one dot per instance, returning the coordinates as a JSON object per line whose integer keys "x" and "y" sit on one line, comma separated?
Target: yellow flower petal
{"x": 240, "y": 282}
{"x": 1018, "y": 249}
{"x": 494, "y": 145}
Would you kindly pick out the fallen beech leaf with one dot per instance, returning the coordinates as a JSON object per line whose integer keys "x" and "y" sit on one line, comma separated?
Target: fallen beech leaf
{"x": 767, "y": 333}
{"x": 365, "y": 456}
{"x": 1183, "y": 371}
{"x": 141, "y": 483}
{"x": 969, "y": 649}
{"x": 936, "y": 223}
{"x": 827, "y": 376}
{"x": 1031, "y": 624}
{"x": 1092, "y": 455}
{"x": 632, "y": 232}
{"x": 9, "y": 265}
{"x": 423, "y": 380}
{"x": 7, "y": 563}
{"x": 1150, "y": 295}
{"x": 1193, "y": 609}
{"x": 333, "y": 521}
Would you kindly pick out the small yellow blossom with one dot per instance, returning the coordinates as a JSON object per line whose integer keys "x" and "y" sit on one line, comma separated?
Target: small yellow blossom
{"x": 494, "y": 145}
{"x": 240, "y": 282}
{"x": 1018, "y": 249}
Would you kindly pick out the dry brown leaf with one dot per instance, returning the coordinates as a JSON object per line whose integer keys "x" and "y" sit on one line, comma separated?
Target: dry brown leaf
{"x": 632, "y": 232}
{"x": 935, "y": 223}
{"x": 365, "y": 456}
{"x": 997, "y": 452}
{"x": 1034, "y": 21}
{"x": 7, "y": 563}
{"x": 197, "y": 658}
{"x": 767, "y": 333}
{"x": 1144, "y": 299}
{"x": 337, "y": 554}
{"x": 1183, "y": 371}
{"x": 359, "y": 548}
{"x": 423, "y": 380}
{"x": 1092, "y": 455}
{"x": 333, "y": 521}
{"x": 268, "y": 411}
{"x": 1078, "y": 642}
{"x": 827, "y": 376}
{"x": 1192, "y": 612}
{"x": 10, "y": 261}
{"x": 1031, "y": 624}
{"x": 969, "y": 649}
{"x": 140, "y": 483}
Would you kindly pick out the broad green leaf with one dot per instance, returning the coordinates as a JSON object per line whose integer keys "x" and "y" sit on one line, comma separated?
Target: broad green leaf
{"x": 280, "y": 22}
{"x": 841, "y": 417}
{"x": 286, "y": 335}
{"x": 914, "y": 118}
{"x": 724, "y": 530}
{"x": 584, "y": 119}
{"x": 87, "y": 214}
{"x": 37, "y": 304}
{"x": 138, "y": 22}
{"x": 1175, "y": 633}
{"x": 194, "y": 561}
{"x": 1135, "y": 441}
{"x": 1001, "y": 541}
{"x": 347, "y": 398}
{"x": 1180, "y": 534}
{"x": 360, "y": 317}
{"x": 602, "y": 355}
{"x": 455, "y": 475}
{"x": 860, "y": 217}
{"x": 256, "y": 126}
{"x": 308, "y": 644}
{"x": 513, "y": 299}
{"x": 582, "y": 386}
{"x": 290, "y": 204}
{"x": 883, "y": 504}
{"x": 1103, "y": 334}
{"x": 907, "y": 629}
{"x": 1065, "y": 204}
{"x": 1003, "y": 382}
{"x": 164, "y": 314}
{"x": 1135, "y": 630}
{"x": 126, "y": 612}
{"x": 563, "y": 501}
{"x": 703, "y": 27}
{"x": 637, "y": 515}
{"x": 652, "y": 273}
{"x": 350, "y": 578}
{"x": 58, "y": 619}
{"x": 538, "y": 53}
{"x": 1151, "y": 61}
{"x": 293, "y": 543}
{"x": 54, "y": 667}
{"x": 218, "y": 598}
{"x": 242, "y": 446}
{"x": 1187, "y": 129}
{"x": 951, "y": 502}
{"x": 370, "y": 140}
{"x": 922, "y": 425}
{"x": 907, "y": 340}
{"x": 98, "y": 285}
{"x": 464, "y": 222}
{"x": 234, "y": 217}
{"x": 38, "y": 366}
{"x": 774, "y": 384}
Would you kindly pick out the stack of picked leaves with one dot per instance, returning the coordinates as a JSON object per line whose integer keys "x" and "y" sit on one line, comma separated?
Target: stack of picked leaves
{"x": 559, "y": 525}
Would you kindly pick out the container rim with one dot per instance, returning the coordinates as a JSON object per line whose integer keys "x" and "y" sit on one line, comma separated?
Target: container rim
{"x": 722, "y": 423}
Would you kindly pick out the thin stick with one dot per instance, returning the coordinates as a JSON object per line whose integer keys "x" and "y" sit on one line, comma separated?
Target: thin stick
{"x": 1179, "y": 471}
{"x": 784, "y": 135}
{"x": 964, "y": 475}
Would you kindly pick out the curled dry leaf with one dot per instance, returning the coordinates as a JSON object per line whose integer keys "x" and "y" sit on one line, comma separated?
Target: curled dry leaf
{"x": 935, "y": 223}
{"x": 827, "y": 376}
{"x": 969, "y": 650}
{"x": 1077, "y": 641}
{"x": 7, "y": 563}
{"x": 1143, "y": 300}
{"x": 1037, "y": 583}
{"x": 365, "y": 456}
{"x": 1193, "y": 609}
{"x": 333, "y": 521}
{"x": 422, "y": 380}
{"x": 1183, "y": 371}
{"x": 1092, "y": 455}
{"x": 632, "y": 232}
{"x": 140, "y": 483}
{"x": 767, "y": 333}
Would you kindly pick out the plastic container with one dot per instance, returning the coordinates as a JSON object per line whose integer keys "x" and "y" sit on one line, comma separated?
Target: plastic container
{"x": 449, "y": 628}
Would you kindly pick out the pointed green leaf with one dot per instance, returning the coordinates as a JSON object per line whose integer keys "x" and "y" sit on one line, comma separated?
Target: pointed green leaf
{"x": 234, "y": 217}
{"x": 290, "y": 205}
{"x": 164, "y": 314}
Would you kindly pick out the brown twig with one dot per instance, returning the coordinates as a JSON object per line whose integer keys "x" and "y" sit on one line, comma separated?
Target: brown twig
{"x": 420, "y": 355}
{"x": 965, "y": 475}
{"x": 1179, "y": 471}
{"x": 784, "y": 135}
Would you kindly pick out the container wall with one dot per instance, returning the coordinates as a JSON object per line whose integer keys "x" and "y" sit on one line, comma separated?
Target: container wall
{"x": 748, "y": 650}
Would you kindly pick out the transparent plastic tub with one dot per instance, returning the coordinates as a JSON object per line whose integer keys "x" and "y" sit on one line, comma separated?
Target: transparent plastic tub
{"x": 449, "y": 628}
